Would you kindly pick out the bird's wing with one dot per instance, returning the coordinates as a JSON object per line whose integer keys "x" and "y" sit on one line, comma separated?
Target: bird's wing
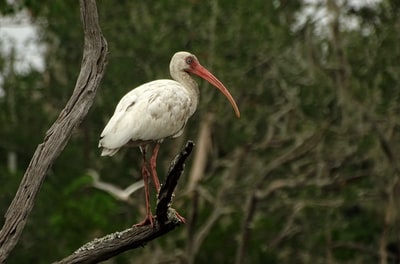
{"x": 153, "y": 111}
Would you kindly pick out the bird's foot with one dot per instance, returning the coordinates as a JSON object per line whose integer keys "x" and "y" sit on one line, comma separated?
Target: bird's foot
{"x": 181, "y": 218}
{"x": 149, "y": 220}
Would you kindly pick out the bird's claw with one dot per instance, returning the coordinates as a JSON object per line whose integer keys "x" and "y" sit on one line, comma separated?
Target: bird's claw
{"x": 181, "y": 218}
{"x": 149, "y": 220}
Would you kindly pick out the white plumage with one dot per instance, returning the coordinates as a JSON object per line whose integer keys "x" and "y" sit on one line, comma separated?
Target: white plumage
{"x": 157, "y": 110}
{"x": 151, "y": 112}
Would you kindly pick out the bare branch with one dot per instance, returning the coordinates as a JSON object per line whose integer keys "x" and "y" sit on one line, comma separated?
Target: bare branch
{"x": 91, "y": 73}
{"x": 166, "y": 192}
{"x": 113, "y": 244}
{"x": 220, "y": 206}
{"x": 196, "y": 174}
{"x": 113, "y": 190}
{"x": 296, "y": 152}
{"x": 249, "y": 213}
{"x": 201, "y": 154}
{"x": 289, "y": 228}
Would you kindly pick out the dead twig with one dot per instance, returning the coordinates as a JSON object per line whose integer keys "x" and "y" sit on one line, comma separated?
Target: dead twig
{"x": 113, "y": 190}
{"x": 252, "y": 200}
{"x": 113, "y": 244}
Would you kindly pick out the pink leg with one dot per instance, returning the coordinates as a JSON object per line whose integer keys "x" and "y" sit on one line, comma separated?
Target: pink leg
{"x": 145, "y": 175}
{"x": 153, "y": 162}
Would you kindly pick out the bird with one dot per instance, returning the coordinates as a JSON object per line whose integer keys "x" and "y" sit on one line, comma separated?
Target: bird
{"x": 155, "y": 111}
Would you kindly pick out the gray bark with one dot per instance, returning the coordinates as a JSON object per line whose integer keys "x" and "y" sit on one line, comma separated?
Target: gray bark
{"x": 91, "y": 73}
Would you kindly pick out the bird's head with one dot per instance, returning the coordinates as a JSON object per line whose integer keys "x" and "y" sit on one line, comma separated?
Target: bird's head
{"x": 183, "y": 61}
{"x": 187, "y": 62}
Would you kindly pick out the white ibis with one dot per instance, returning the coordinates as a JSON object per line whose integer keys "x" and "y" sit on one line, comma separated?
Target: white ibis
{"x": 157, "y": 110}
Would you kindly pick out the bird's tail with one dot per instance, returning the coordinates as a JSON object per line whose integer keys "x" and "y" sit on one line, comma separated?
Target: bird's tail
{"x": 108, "y": 152}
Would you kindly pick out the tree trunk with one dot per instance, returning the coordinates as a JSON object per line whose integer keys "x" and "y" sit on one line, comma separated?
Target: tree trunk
{"x": 91, "y": 73}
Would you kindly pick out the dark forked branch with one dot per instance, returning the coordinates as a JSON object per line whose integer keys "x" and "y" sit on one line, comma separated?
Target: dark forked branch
{"x": 166, "y": 220}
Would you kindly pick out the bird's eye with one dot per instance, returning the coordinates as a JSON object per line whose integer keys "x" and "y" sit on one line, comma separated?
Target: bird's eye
{"x": 189, "y": 60}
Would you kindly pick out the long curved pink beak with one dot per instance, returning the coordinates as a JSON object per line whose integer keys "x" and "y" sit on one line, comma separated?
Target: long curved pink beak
{"x": 202, "y": 72}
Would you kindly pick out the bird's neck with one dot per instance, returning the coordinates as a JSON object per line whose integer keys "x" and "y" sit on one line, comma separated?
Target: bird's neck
{"x": 191, "y": 87}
